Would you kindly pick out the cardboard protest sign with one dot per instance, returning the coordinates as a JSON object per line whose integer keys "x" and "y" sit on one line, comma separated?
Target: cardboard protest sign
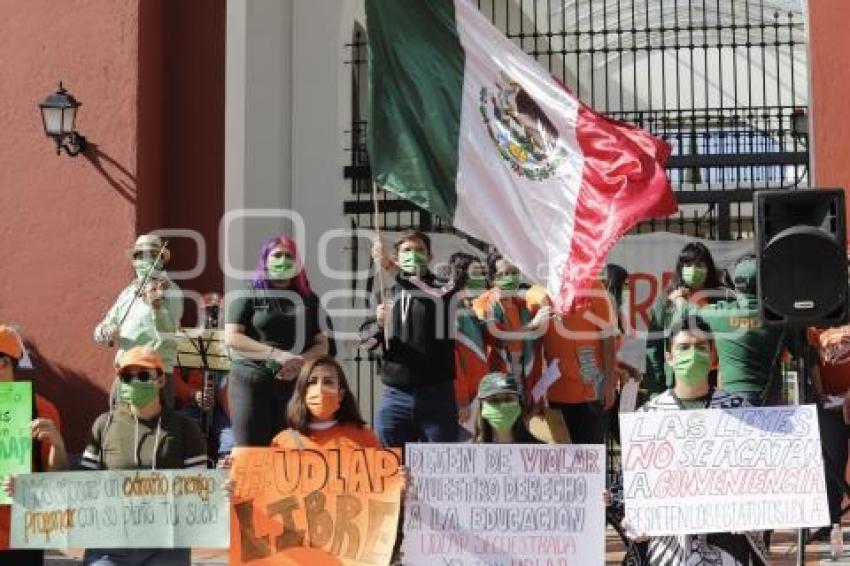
{"x": 500, "y": 504}
{"x": 121, "y": 509}
{"x": 15, "y": 438}
{"x": 721, "y": 470}
{"x": 333, "y": 506}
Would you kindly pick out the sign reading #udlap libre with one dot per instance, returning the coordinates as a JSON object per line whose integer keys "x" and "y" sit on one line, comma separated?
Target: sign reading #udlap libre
{"x": 722, "y": 470}
{"x": 319, "y": 507}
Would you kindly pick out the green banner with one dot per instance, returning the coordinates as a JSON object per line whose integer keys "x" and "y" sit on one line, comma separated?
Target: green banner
{"x": 15, "y": 437}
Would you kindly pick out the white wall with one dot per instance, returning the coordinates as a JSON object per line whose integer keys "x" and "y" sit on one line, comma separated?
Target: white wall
{"x": 287, "y": 109}
{"x": 258, "y": 127}
{"x": 288, "y": 106}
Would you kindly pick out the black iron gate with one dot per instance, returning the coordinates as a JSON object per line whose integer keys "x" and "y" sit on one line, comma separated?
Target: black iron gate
{"x": 724, "y": 81}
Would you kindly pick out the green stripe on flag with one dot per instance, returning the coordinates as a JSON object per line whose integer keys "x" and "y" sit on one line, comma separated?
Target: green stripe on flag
{"x": 414, "y": 119}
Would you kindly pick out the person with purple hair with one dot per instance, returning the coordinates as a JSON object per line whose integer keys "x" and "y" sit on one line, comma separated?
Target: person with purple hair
{"x": 271, "y": 330}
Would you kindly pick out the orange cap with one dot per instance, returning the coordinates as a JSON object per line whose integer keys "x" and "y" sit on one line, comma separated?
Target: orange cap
{"x": 142, "y": 356}
{"x": 10, "y": 343}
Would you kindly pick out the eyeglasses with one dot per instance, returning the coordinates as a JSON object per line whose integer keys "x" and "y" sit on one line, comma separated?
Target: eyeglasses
{"x": 142, "y": 376}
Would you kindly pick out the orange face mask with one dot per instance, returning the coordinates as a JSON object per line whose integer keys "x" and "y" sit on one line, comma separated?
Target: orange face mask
{"x": 324, "y": 405}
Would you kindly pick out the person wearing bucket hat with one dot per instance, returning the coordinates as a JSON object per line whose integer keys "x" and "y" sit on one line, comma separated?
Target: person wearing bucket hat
{"x": 148, "y": 310}
{"x": 748, "y": 352}
{"x": 48, "y": 449}
{"x": 141, "y": 433}
{"x": 498, "y": 418}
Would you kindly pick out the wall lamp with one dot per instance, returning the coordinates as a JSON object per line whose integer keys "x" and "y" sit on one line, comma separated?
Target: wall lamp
{"x": 58, "y": 112}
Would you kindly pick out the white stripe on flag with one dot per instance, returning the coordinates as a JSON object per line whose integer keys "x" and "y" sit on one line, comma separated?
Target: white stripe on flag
{"x": 530, "y": 221}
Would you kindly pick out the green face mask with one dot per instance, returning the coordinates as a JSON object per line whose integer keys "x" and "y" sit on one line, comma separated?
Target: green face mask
{"x": 413, "y": 262}
{"x": 144, "y": 266}
{"x": 691, "y": 366}
{"x": 693, "y": 276}
{"x": 137, "y": 393}
{"x": 282, "y": 267}
{"x": 476, "y": 283}
{"x": 502, "y": 416}
{"x": 508, "y": 282}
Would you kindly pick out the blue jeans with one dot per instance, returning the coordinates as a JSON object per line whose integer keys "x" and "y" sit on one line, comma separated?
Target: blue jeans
{"x": 138, "y": 557}
{"x": 423, "y": 414}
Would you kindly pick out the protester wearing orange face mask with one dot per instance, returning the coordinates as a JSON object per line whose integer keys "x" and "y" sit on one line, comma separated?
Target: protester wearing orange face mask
{"x": 323, "y": 412}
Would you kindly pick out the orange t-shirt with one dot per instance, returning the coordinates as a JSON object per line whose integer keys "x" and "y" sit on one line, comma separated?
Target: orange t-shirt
{"x": 512, "y": 308}
{"x": 576, "y": 340}
{"x": 470, "y": 369}
{"x": 44, "y": 409}
{"x": 343, "y": 435}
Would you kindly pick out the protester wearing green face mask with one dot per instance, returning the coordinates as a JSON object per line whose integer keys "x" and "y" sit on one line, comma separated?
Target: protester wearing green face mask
{"x": 696, "y": 281}
{"x": 271, "y": 329}
{"x": 280, "y": 265}
{"x": 147, "y": 312}
{"x": 413, "y": 325}
{"x": 504, "y": 275}
{"x": 468, "y": 275}
{"x": 413, "y": 262}
{"x": 747, "y": 349}
{"x": 499, "y": 417}
{"x": 140, "y": 433}
{"x": 688, "y": 351}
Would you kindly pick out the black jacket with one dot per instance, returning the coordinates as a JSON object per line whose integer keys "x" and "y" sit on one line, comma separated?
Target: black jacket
{"x": 421, "y": 333}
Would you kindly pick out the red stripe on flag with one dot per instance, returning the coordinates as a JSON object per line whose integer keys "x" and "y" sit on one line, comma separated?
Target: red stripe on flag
{"x": 623, "y": 182}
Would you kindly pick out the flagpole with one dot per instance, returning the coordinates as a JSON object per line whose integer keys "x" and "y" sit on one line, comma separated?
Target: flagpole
{"x": 377, "y": 225}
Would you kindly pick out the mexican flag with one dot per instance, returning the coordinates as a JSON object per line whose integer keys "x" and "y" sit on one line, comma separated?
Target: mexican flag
{"x": 466, "y": 125}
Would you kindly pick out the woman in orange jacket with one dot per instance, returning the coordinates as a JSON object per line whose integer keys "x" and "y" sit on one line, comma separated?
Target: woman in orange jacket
{"x": 322, "y": 412}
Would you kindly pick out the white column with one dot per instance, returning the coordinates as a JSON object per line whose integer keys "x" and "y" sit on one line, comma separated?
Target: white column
{"x": 258, "y": 128}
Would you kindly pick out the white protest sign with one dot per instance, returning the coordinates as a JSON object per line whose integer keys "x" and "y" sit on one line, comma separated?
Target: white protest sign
{"x": 550, "y": 375}
{"x": 477, "y": 504}
{"x": 121, "y": 509}
{"x": 722, "y": 470}
{"x": 628, "y": 396}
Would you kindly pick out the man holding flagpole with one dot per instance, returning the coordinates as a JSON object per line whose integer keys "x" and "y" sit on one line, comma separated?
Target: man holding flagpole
{"x": 413, "y": 327}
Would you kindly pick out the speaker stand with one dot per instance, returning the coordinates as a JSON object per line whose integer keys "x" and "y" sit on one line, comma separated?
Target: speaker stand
{"x": 803, "y": 393}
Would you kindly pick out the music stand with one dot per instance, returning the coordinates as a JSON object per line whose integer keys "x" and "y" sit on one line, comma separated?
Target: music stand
{"x": 204, "y": 349}
{"x": 201, "y": 348}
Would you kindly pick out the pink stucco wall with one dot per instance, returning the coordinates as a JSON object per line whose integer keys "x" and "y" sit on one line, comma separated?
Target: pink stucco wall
{"x": 829, "y": 61}
{"x": 65, "y": 222}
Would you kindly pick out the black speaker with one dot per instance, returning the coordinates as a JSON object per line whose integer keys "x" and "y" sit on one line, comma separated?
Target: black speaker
{"x": 801, "y": 244}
